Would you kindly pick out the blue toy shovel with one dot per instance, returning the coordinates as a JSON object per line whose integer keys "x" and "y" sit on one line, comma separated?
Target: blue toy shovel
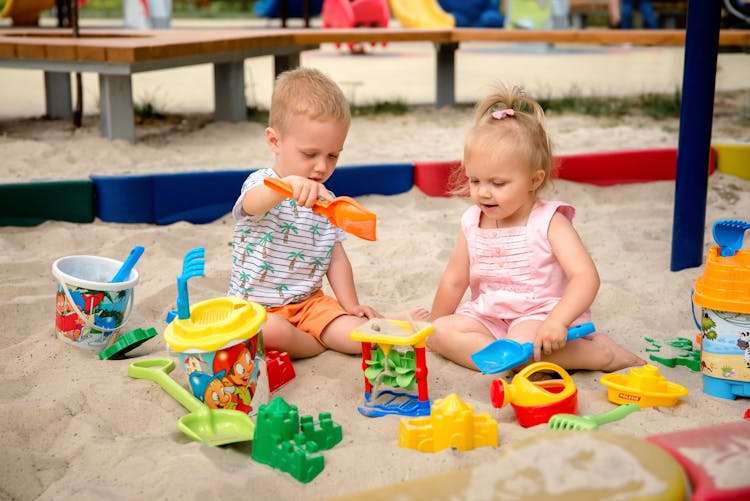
{"x": 124, "y": 272}
{"x": 505, "y": 354}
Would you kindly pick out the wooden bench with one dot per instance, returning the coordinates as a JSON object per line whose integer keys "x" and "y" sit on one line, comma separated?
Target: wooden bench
{"x": 671, "y": 14}
{"x": 115, "y": 55}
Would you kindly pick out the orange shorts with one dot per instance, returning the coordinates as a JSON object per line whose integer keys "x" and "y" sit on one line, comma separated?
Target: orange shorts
{"x": 311, "y": 315}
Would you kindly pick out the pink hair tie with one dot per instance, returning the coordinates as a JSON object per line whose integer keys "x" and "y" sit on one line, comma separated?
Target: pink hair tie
{"x": 499, "y": 115}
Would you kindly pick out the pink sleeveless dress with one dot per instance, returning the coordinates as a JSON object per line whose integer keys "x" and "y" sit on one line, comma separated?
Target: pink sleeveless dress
{"x": 514, "y": 276}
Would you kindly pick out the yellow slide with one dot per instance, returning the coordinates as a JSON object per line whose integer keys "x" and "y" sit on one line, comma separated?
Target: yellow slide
{"x": 25, "y": 12}
{"x": 421, "y": 14}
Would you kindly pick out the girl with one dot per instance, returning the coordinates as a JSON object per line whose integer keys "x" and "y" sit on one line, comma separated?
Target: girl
{"x": 530, "y": 276}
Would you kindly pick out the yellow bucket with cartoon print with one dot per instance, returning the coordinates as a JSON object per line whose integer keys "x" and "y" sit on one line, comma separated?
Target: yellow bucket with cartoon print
{"x": 220, "y": 348}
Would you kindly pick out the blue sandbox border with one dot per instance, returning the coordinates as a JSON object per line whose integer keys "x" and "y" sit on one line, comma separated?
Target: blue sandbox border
{"x": 204, "y": 196}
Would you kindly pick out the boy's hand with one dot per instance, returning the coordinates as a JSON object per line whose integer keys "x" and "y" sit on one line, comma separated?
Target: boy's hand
{"x": 550, "y": 337}
{"x": 361, "y": 310}
{"x": 306, "y": 191}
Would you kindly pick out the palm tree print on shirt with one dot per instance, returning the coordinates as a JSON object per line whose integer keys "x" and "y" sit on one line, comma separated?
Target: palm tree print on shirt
{"x": 280, "y": 289}
{"x": 315, "y": 231}
{"x": 266, "y": 239}
{"x": 244, "y": 279}
{"x": 265, "y": 269}
{"x": 316, "y": 263}
{"x": 285, "y": 228}
{"x": 293, "y": 257}
{"x": 249, "y": 249}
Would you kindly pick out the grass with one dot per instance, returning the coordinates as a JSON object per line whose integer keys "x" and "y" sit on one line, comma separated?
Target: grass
{"x": 656, "y": 106}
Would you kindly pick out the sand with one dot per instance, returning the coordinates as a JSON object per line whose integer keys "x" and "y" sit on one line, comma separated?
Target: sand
{"x": 74, "y": 426}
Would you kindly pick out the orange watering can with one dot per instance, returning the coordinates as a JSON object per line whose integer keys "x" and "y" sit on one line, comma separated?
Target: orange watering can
{"x": 344, "y": 212}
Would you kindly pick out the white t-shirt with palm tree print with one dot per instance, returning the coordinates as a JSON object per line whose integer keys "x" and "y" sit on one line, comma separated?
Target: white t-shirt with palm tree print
{"x": 279, "y": 257}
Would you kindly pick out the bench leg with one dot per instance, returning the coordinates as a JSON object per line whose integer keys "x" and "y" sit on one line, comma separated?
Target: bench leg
{"x": 446, "y": 71}
{"x": 58, "y": 103}
{"x": 229, "y": 92}
{"x": 117, "y": 118}
{"x": 284, "y": 62}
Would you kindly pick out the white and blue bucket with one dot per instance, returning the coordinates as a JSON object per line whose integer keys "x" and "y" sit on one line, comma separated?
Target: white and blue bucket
{"x": 91, "y": 310}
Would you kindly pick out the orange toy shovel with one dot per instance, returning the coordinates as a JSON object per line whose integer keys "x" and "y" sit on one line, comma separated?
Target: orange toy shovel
{"x": 344, "y": 212}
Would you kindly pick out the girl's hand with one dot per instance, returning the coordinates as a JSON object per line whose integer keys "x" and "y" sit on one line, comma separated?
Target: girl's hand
{"x": 361, "y": 310}
{"x": 306, "y": 191}
{"x": 550, "y": 337}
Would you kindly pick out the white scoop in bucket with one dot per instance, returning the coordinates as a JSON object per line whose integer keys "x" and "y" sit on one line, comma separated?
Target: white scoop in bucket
{"x": 90, "y": 309}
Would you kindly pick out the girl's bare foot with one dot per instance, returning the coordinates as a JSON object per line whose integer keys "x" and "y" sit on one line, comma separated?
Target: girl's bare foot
{"x": 622, "y": 358}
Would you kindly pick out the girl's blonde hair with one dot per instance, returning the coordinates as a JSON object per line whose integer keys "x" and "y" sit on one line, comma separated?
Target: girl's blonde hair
{"x": 306, "y": 92}
{"x": 494, "y": 127}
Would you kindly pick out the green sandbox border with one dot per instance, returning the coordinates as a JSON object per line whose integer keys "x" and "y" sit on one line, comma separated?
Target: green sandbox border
{"x": 30, "y": 204}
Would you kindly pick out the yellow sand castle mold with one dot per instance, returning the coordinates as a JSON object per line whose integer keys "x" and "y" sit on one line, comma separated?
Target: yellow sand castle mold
{"x": 451, "y": 423}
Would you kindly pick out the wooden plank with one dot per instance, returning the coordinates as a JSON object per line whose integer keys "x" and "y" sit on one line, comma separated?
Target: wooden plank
{"x": 363, "y": 35}
{"x": 130, "y": 46}
{"x": 593, "y": 36}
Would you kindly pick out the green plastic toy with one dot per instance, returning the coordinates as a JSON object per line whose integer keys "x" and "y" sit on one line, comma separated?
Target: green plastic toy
{"x": 680, "y": 351}
{"x": 126, "y": 342}
{"x": 290, "y": 443}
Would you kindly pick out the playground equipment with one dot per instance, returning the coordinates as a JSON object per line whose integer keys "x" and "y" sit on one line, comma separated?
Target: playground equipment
{"x": 643, "y": 386}
{"x": 26, "y": 12}
{"x": 355, "y": 14}
{"x": 535, "y": 402}
{"x": 451, "y": 423}
{"x": 723, "y": 293}
{"x": 421, "y": 14}
{"x": 400, "y": 368}
{"x": 474, "y": 13}
{"x": 283, "y": 9}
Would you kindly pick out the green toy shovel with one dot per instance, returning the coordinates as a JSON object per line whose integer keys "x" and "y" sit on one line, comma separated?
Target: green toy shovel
{"x": 210, "y": 426}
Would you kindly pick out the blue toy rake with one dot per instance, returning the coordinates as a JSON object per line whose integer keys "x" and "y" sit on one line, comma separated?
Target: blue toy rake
{"x": 193, "y": 265}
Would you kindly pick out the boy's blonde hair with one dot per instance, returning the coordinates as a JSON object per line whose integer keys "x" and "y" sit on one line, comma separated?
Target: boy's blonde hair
{"x": 521, "y": 129}
{"x": 307, "y": 92}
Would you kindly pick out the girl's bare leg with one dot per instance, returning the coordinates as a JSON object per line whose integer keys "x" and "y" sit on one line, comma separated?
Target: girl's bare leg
{"x": 456, "y": 337}
{"x": 596, "y": 352}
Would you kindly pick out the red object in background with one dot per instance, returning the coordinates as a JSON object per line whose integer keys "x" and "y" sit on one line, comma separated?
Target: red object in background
{"x": 714, "y": 458}
{"x": 355, "y": 14}
{"x": 280, "y": 369}
{"x": 602, "y": 169}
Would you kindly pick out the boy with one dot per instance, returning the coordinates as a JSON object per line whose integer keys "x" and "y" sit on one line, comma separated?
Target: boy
{"x": 281, "y": 248}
